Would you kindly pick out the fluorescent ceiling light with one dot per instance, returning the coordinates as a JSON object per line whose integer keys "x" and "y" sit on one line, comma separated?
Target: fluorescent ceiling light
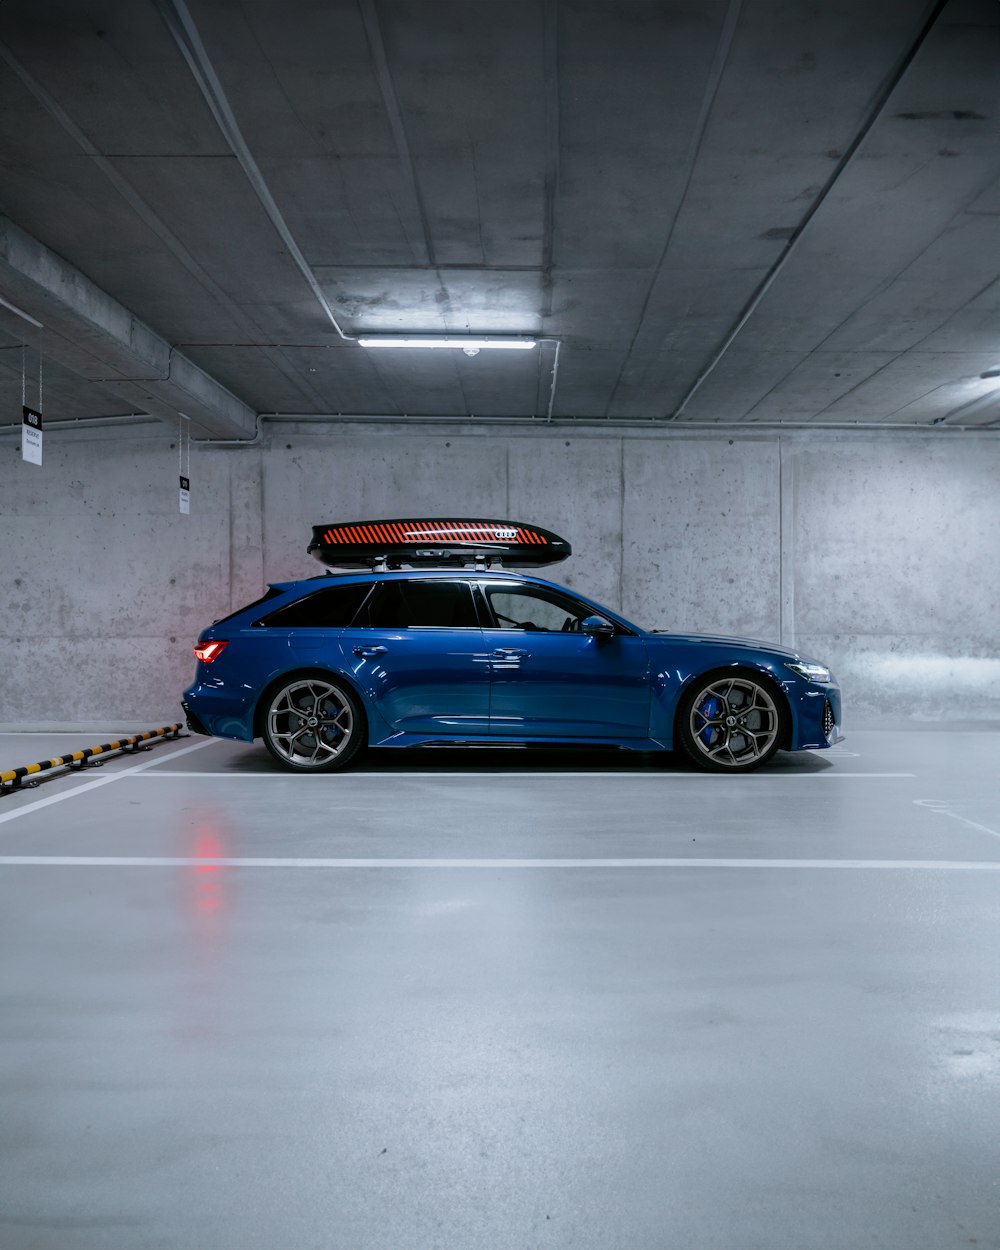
{"x": 466, "y": 344}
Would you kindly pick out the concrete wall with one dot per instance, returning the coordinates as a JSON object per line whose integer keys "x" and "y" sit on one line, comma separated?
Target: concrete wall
{"x": 876, "y": 552}
{"x": 106, "y": 584}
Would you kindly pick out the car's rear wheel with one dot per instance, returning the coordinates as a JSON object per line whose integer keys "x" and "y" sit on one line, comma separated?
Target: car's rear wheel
{"x": 731, "y": 721}
{"x": 313, "y": 724}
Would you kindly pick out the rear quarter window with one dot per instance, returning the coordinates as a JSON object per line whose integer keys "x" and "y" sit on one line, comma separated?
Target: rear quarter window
{"x": 333, "y": 607}
{"x": 272, "y": 593}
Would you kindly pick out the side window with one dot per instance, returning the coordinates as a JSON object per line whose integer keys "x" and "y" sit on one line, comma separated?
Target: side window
{"x": 334, "y": 607}
{"x": 534, "y": 608}
{"x": 434, "y": 604}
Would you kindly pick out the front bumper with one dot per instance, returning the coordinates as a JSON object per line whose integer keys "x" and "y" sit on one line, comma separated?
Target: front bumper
{"x": 819, "y": 717}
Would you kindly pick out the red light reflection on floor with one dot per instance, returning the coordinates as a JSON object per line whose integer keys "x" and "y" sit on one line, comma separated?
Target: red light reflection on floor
{"x": 207, "y": 898}
{"x": 209, "y": 880}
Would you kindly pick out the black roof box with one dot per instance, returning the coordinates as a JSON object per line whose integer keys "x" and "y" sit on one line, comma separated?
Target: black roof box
{"x": 435, "y": 541}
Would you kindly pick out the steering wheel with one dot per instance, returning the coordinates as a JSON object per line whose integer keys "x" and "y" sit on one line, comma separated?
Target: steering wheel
{"x": 571, "y": 625}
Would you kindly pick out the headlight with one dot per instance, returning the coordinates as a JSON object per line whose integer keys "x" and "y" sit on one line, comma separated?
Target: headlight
{"x": 811, "y": 672}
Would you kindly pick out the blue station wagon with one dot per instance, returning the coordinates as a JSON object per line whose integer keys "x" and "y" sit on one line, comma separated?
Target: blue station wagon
{"x": 452, "y": 650}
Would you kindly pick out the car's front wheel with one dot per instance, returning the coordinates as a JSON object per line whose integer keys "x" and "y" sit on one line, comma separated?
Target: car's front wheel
{"x": 731, "y": 722}
{"x": 313, "y": 724}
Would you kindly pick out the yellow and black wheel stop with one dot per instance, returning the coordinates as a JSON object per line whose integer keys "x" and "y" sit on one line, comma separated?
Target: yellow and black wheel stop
{"x": 28, "y": 775}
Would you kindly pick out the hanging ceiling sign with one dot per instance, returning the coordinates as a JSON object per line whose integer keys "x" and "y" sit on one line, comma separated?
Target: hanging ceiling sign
{"x": 185, "y": 495}
{"x": 31, "y": 435}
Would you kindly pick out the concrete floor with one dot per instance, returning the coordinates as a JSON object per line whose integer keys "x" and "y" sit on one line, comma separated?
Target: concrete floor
{"x": 683, "y": 1012}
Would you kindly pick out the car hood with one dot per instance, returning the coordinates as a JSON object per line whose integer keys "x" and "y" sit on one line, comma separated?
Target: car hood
{"x": 723, "y": 640}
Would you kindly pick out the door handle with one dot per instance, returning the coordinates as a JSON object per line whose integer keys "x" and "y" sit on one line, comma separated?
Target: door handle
{"x": 369, "y": 653}
{"x": 509, "y": 653}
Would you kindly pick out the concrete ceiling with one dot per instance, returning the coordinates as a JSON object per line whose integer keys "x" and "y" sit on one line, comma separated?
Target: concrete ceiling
{"x": 745, "y": 211}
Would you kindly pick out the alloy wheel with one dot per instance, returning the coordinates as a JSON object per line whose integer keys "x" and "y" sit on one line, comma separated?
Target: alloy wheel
{"x": 310, "y": 724}
{"x": 734, "y": 723}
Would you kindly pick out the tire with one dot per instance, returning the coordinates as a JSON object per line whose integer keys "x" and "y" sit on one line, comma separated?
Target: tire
{"x": 731, "y": 721}
{"x": 312, "y": 723}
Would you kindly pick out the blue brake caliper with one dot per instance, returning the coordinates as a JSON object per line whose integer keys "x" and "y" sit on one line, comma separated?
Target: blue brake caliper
{"x": 708, "y": 709}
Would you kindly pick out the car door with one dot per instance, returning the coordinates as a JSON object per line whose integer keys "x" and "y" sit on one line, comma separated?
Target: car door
{"x": 551, "y": 680}
{"x": 417, "y": 650}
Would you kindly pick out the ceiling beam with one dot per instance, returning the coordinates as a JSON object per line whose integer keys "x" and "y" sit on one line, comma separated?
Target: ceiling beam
{"x": 47, "y": 302}
{"x": 874, "y": 113}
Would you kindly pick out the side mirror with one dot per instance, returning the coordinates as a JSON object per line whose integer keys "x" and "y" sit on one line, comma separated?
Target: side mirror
{"x": 597, "y": 627}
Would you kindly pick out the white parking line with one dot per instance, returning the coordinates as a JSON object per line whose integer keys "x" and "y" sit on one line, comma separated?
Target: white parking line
{"x": 943, "y": 808}
{"x": 184, "y": 861}
{"x": 445, "y": 775}
{"x": 106, "y": 780}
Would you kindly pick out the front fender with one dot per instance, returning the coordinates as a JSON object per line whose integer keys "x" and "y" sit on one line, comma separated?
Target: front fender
{"x": 669, "y": 684}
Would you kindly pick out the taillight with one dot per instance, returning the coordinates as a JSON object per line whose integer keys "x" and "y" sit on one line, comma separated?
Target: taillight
{"x": 209, "y": 651}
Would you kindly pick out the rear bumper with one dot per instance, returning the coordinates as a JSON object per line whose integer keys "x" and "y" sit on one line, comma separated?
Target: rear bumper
{"x": 193, "y": 723}
{"x": 211, "y": 710}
